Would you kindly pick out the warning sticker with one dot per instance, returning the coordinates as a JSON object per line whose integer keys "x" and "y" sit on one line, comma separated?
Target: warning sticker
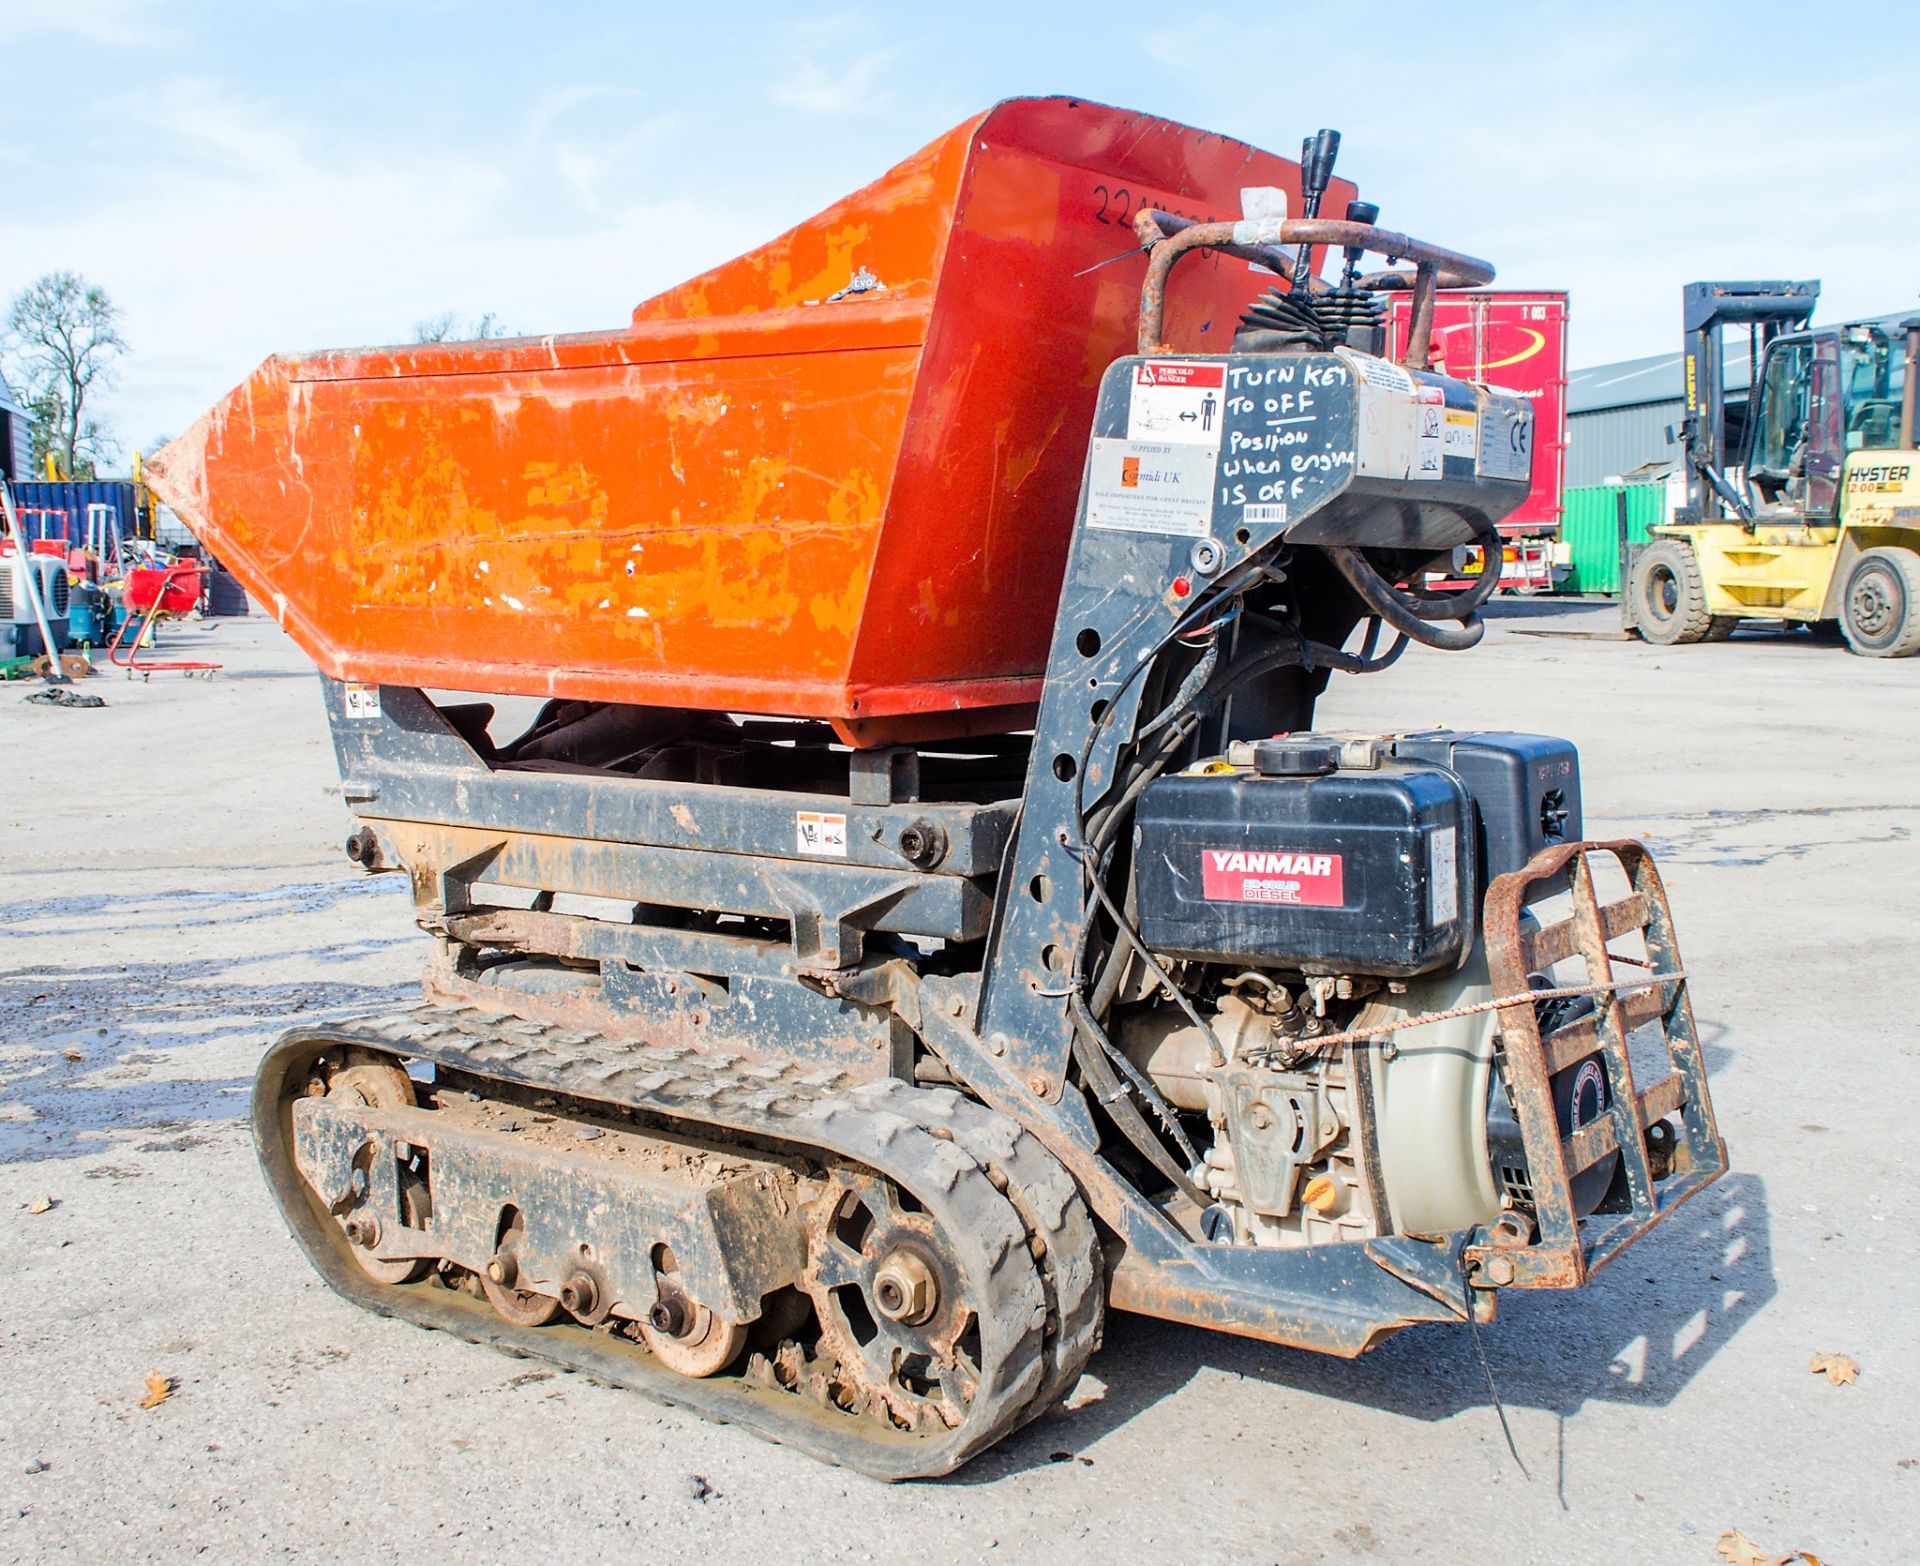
{"x": 1463, "y": 433}
{"x": 818, "y": 832}
{"x": 1178, "y": 401}
{"x": 1381, "y": 373}
{"x": 1251, "y": 875}
{"x": 363, "y": 701}
{"x": 1152, "y": 487}
{"x": 1443, "y": 877}
{"x": 1391, "y": 419}
{"x": 1429, "y": 447}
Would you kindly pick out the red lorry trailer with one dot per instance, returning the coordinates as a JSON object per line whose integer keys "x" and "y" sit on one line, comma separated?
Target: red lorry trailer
{"x": 1517, "y": 341}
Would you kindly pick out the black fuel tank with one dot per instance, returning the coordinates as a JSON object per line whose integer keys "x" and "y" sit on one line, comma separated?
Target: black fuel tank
{"x": 1306, "y": 865}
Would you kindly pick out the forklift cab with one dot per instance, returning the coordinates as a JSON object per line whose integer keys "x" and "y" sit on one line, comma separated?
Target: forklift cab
{"x": 1821, "y": 395}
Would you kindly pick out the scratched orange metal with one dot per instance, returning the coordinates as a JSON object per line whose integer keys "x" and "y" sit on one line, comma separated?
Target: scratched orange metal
{"x": 750, "y": 499}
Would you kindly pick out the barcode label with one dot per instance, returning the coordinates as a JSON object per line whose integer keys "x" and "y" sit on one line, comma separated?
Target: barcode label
{"x": 1265, "y": 513}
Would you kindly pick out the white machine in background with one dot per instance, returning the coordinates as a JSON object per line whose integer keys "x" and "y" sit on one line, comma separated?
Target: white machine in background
{"x": 20, "y": 636}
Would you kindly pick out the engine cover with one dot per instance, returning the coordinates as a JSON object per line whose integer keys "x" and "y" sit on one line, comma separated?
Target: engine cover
{"x": 1525, "y": 790}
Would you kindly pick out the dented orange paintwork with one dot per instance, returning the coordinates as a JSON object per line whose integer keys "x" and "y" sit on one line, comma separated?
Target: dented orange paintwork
{"x": 751, "y": 498}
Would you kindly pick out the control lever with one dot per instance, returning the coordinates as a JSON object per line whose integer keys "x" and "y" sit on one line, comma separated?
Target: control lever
{"x": 1317, "y": 153}
{"x": 1357, "y": 212}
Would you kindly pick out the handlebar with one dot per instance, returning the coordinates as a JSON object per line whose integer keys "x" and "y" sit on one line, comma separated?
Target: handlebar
{"x": 1168, "y": 238}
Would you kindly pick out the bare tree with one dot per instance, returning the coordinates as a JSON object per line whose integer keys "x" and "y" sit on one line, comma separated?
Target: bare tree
{"x": 446, "y": 327}
{"x": 66, "y": 332}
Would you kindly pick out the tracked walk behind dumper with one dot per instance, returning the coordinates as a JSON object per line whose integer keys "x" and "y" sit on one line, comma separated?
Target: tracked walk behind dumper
{"x": 921, "y": 913}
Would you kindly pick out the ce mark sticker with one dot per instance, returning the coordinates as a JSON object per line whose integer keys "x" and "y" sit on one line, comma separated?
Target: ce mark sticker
{"x": 1506, "y": 440}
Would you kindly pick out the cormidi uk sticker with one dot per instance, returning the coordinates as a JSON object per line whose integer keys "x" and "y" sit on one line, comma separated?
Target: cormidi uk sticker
{"x": 1253, "y": 875}
{"x": 1148, "y": 487}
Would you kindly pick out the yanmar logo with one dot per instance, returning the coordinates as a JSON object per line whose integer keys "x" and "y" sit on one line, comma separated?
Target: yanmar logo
{"x": 1253, "y": 875}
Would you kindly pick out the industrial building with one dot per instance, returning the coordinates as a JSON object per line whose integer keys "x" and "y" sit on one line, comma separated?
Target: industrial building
{"x": 1618, "y": 414}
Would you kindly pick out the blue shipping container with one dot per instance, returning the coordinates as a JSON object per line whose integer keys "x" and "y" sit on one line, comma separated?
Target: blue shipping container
{"x": 50, "y": 509}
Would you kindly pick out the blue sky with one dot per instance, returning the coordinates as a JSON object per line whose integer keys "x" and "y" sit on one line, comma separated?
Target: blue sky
{"x": 251, "y": 177}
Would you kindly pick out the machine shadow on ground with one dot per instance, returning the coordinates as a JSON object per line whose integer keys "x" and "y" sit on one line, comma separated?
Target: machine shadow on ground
{"x": 1638, "y": 1334}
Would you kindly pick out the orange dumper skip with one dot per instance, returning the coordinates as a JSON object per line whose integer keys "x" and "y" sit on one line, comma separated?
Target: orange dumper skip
{"x": 833, "y": 478}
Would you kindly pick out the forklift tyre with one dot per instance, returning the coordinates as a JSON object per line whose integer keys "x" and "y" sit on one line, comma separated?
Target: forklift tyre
{"x": 1880, "y": 613}
{"x": 1670, "y": 600}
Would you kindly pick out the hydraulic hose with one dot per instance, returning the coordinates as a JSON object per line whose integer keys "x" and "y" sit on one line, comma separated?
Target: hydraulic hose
{"x": 1097, "y": 1068}
{"x": 1416, "y": 619}
{"x": 1457, "y": 606}
{"x": 1190, "y": 688}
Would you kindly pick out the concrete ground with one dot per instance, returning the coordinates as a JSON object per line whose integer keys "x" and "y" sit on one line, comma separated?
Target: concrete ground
{"x": 172, "y": 893}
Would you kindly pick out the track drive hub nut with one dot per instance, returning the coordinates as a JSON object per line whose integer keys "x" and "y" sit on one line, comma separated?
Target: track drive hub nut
{"x": 904, "y": 1289}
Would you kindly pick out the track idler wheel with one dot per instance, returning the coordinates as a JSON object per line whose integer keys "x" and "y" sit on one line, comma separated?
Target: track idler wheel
{"x": 361, "y": 1077}
{"x": 500, "y": 1282}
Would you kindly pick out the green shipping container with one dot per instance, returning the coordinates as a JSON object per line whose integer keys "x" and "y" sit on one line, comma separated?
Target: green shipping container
{"x": 1590, "y": 530}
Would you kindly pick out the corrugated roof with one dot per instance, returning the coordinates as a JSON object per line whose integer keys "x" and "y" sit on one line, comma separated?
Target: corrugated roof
{"x": 1629, "y": 382}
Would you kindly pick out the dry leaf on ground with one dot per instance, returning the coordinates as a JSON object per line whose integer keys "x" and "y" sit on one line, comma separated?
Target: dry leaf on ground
{"x": 42, "y": 1204}
{"x": 73, "y": 1054}
{"x": 159, "y": 1389}
{"x": 1736, "y": 1547}
{"x": 1839, "y": 1370}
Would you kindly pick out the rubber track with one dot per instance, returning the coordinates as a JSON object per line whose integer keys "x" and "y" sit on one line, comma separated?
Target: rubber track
{"x": 1051, "y": 1205}
{"x": 952, "y": 1154}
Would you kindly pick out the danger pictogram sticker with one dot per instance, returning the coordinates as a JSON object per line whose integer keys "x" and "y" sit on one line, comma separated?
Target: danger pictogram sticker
{"x": 1178, "y": 402}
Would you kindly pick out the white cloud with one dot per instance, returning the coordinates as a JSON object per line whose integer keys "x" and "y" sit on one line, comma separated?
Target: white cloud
{"x": 263, "y": 236}
{"x": 551, "y": 106}
{"x": 126, "y": 24}
{"x": 830, "y": 67}
{"x": 593, "y": 164}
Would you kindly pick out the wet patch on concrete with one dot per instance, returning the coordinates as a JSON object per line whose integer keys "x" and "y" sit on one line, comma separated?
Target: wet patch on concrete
{"x": 1742, "y": 839}
{"x": 97, "y": 1053}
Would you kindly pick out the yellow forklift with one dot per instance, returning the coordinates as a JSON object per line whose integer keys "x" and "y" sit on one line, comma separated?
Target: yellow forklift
{"x": 1806, "y": 507}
